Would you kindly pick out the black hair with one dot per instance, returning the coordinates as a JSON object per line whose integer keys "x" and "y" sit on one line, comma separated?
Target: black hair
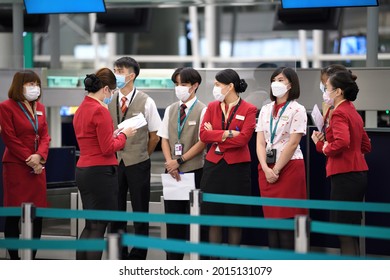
{"x": 345, "y": 81}
{"x": 175, "y": 74}
{"x": 20, "y": 78}
{"x": 228, "y": 76}
{"x": 333, "y": 68}
{"x": 129, "y": 63}
{"x": 92, "y": 83}
{"x": 103, "y": 77}
{"x": 190, "y": 75}
{"x": 292, "y": 77}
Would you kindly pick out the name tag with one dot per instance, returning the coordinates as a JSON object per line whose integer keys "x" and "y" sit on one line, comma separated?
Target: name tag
{"x": 191, "y": 122}
{"x": 39, "y": 113}
{"x": 284, "y": 118}
{"x": 239, "y": 117}
{"x": 178, "y": 149}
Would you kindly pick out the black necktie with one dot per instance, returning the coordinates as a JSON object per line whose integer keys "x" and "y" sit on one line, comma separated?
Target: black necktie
{"x": 182, "y": 112}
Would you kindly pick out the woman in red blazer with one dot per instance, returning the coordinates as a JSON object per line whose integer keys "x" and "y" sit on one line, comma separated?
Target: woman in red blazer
{"x": 345, "y": 146}
{"x": 25, "y": 135}
{"x": 96, "y": 171}
{"x": 227, "y": 126}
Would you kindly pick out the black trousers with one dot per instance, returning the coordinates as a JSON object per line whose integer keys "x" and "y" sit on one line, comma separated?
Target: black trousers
{"x": 177, "y": 231}
{"x": 134, "y": 179}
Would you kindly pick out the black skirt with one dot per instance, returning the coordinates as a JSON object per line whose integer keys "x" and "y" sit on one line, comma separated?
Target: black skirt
{"x": 98, "y": 186}
{"x": 349, "y": 186}
{"x": 230, "y": 179}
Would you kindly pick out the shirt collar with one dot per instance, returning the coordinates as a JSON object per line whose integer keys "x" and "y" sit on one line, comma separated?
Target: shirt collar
{"x": 189, "y": 103}
{"x": 134, "y": 91}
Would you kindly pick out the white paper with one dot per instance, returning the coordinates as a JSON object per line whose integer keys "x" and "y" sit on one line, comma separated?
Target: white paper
{"x": 317, "y": 118}
{"x": 135, "y": 122}
{"x": 178, "y": 190}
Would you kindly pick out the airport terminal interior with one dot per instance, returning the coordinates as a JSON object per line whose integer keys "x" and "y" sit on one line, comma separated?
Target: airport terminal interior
{"x": 251, "y": 36}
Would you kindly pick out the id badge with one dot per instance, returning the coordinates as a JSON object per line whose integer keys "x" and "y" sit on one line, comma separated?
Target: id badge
{"x": 178, "y": 149}
{"x": 271, "y": 156}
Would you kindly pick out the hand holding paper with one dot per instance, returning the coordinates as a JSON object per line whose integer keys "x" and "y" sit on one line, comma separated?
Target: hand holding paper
{"x": 178, "y": 190}
{"x": 135, "y": 122}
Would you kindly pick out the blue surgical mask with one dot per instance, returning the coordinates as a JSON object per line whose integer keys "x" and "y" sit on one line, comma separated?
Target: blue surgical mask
{"x": 107, "y": 100}
{"x": 120, "y": 81}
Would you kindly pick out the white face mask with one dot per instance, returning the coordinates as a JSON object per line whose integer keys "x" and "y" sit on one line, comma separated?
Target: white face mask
{"x": 327, "y": 100}
{"x": 278, "y": 89}
{"x": 217, "y": 92}
{"x": 322, "y": 87}
{"x": 32, "y": 93}
{"x": 182, "y": 93}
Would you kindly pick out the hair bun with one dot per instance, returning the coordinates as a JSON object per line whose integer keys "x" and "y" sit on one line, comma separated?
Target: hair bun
{"x": 243, "y": 85}
{"x": 92, "y": 83}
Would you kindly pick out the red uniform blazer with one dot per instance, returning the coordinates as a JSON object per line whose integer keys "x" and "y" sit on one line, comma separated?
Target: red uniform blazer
{"x": 234, "y": 150}
{"x": 18, "y": 133}
{"x": 94, "y": 129}
{"x": 347, "y": 141}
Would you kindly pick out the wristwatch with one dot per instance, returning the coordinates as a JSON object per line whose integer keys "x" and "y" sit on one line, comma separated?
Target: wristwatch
{"x": 180, "y": 161}
{"x": 230, "y": 135}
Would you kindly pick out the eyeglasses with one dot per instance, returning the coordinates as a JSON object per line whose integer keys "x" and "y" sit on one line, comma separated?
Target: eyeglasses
{"x": 326, "y": 89}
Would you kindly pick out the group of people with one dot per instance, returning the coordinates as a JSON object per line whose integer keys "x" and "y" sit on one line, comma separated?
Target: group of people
{"x": 210, "y": 141}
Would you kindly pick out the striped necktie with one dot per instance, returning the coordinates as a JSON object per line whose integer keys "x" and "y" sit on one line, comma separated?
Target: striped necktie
{"x": 182, "y": 112}
{"x": 123, "y": 107}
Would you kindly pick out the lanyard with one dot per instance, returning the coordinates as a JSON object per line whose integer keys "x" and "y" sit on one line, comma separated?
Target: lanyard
{"x": 276, "y": 125}
{"x": 127, "y": 109}
{"x": 35, "y": 126}
{"x": 231, "y": 117}
{"x": 180, "y": 127}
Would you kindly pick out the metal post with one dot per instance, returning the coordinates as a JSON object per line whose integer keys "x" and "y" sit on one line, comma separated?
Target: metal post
{"x": 54, "y": 36}
{"x": 18, "y": 26}
{"x": 73, "y": 222}
{"x": 303, "y": 43}
{"x": 80, "y": 221}
{"x": 193, "y": 12}
{"x": 210, "y": 34}
{"x": 372, "y": 36}
{"x": 54, "y": 115}
{"x": 111, "y": 41}
{"x": 94, "y": 40}
{"x": 113, "y": 246}
{"x": 318, "y": 36}
{"x": 28, "y": 215}
{"x": 302, "y": 233}
{"x": 195, "y": 196}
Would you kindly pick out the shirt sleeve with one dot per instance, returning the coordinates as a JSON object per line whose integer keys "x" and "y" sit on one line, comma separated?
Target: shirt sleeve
{"x": 163, "y": 130}
{"x": 366, "y": 143}
{"x": 151, "y": 115}
{"x": 104, "y": 131}
{"x": 44, "y": 138}
{"x": 299, "y": 121}
{"x": 341, "y": 134}
{"x": 201, "y": 120}
{"x": 260, "y": 125}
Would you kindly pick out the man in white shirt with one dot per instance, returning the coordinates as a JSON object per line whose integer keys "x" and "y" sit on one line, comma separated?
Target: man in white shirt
{"x": 134, "y": 162}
